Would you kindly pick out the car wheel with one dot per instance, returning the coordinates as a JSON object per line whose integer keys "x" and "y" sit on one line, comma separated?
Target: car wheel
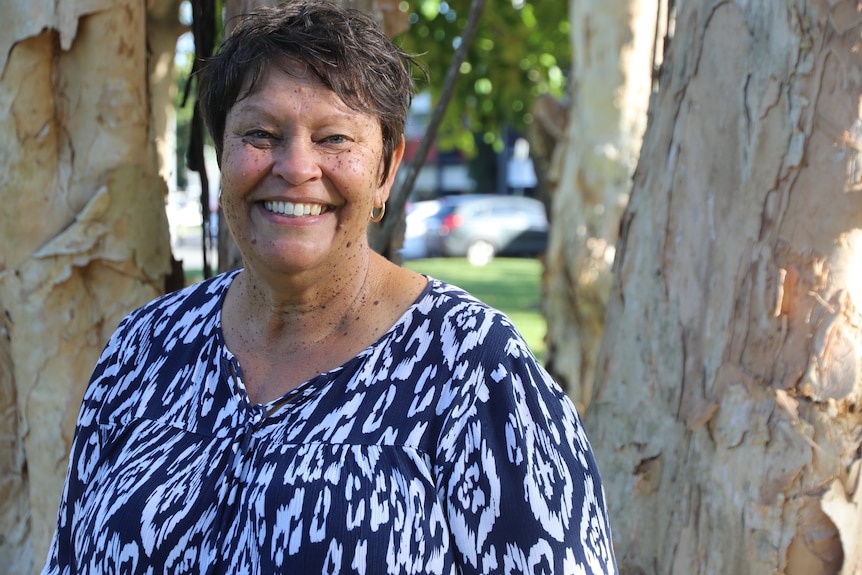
{"x": 480, "y": 252}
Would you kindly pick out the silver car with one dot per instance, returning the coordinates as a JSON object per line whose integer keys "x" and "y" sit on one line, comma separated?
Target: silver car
{"x": 482, "y": 226}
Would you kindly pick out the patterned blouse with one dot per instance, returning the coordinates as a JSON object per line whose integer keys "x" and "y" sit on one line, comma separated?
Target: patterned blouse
{"x": 442, "y": 448}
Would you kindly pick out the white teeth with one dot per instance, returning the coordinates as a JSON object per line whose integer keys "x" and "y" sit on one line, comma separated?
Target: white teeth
{"x": 291, "y": 209}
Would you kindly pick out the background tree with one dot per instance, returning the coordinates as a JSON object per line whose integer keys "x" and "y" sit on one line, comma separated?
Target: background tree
{"x": 388, "y": 236}
{"x": 486, "y": 69}
{"x": 614, "y": 54}
{"x": 83, "y": 232}
{"x": 726, "y": 411}
{"x": 521, "y": 50}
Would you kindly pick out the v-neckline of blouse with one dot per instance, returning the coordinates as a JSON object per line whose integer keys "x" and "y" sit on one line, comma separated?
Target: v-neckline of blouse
{"x": 275, "y": 406}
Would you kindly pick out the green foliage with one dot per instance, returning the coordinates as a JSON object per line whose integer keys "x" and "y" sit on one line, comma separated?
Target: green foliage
{"x": 521, "y": 50}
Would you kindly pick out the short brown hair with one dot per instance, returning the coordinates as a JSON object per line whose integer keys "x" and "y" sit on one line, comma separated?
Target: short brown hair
{"x": 343, "y": 47}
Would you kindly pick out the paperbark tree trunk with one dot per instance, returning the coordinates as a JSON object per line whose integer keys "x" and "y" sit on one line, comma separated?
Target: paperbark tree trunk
{"x": 83, "y": 232}
{"x": 726, "y": 412}
{"x": 610, "y": 84}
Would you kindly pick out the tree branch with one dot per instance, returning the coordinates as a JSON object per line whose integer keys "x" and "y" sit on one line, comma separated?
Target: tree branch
{"x": 384, "y": 239}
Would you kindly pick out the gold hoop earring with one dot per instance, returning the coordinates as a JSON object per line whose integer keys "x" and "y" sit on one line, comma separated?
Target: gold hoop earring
{"x": 379, "y": 216}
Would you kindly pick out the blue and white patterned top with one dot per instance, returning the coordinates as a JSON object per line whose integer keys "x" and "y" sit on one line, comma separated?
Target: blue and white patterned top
{"x": 442, "y": 448}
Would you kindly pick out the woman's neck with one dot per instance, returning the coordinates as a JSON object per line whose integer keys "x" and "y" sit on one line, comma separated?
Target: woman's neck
{"x": 303, "y": 308}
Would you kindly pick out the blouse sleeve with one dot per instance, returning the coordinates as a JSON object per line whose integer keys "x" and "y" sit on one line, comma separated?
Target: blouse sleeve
{"x": 516, "y": 472}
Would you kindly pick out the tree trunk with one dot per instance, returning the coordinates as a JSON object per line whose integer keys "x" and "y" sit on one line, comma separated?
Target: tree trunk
{"x": 610, "y": 87}
{"x": 83, "y": 233}
{"x": 726, "y": 412}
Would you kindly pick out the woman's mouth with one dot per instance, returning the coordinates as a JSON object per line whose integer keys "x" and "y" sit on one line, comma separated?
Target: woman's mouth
{"x": 291, "y": 209}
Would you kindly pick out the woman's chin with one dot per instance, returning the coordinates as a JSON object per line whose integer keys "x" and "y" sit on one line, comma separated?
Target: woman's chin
{"x": 289, "y": 259}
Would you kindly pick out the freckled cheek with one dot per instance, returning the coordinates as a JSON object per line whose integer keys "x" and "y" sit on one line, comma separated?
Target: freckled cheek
{"x": 360, "y": 168}
{"x": 232, "y": 207}
{"x": 241, "y": 170}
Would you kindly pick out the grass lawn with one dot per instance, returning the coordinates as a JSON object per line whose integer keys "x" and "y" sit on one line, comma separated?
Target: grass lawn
{"x": 511, "y": 285}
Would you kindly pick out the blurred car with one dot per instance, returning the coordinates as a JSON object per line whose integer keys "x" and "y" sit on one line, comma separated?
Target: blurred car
{"x": 416, "y": 232}
{"x": 483, "y": 226}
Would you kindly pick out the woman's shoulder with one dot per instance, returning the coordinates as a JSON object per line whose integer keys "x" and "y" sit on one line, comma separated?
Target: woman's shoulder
{"x": 193, "y": 295}
{"x": 450, "y": 302}
{"x": 443, "y": 296}
{"x": 189, "y": 306}
{"x": 464, "y": 326}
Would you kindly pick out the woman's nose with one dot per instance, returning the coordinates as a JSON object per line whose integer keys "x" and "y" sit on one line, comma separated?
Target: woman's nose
{"x": 295, "y": 161}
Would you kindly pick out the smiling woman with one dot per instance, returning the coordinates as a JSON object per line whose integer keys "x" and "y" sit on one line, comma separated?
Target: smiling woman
{"x": 301, "y": 172}
{"x": 322, "y": 409}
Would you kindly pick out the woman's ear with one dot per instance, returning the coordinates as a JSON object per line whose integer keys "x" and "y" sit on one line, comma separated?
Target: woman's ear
{"x": 397, "y": 156}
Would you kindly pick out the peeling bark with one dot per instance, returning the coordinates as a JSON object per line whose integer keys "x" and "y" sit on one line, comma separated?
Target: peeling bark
{"x": 83, "y": 232}
{"x": 731, "y": 351}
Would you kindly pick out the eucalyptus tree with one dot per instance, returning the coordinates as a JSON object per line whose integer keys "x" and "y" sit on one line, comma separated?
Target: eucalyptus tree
{"x": 84, "y": 89}
{"x": 725, "y": 415}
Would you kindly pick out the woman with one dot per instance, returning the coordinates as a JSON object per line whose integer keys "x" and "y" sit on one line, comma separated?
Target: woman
{"x": 322, "y": 410}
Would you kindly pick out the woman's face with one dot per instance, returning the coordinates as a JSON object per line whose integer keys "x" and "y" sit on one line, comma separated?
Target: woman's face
{"x": 300, "y": 174}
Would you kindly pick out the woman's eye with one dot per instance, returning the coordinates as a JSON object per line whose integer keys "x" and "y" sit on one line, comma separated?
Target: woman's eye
{"x": 260, "y": 134}
{"x": 259, "y": 138}
{"x": 336, "y": 139}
